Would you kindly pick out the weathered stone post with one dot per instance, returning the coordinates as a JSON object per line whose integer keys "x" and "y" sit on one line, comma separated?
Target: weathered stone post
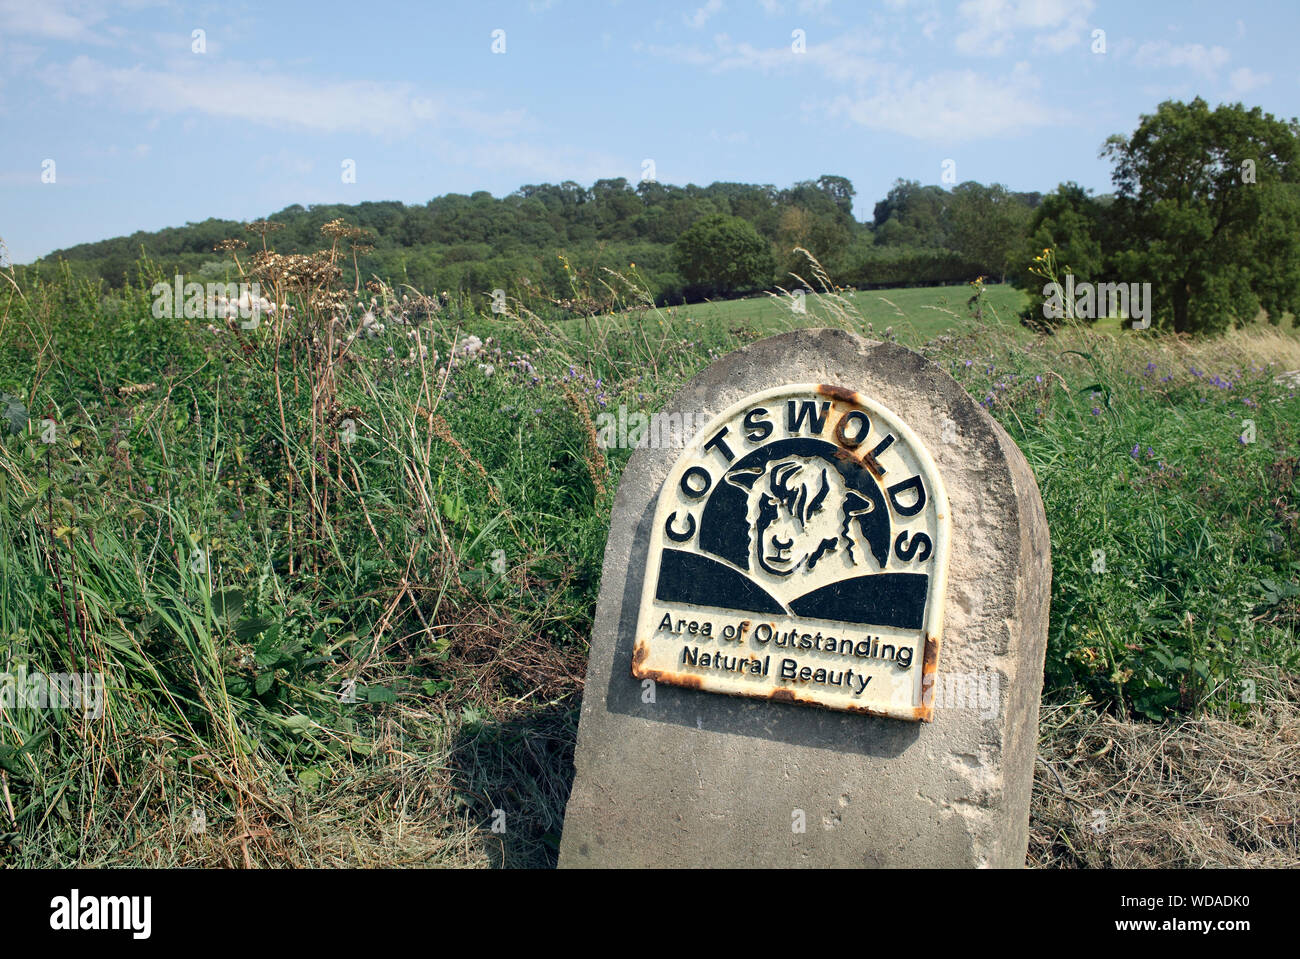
{"x": 821, "y": 626}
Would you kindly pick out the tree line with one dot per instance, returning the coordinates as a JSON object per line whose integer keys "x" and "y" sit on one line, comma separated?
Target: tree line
{"x": 1205, "y": 207}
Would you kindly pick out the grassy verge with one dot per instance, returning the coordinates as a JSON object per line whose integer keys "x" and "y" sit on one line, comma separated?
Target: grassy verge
{"x": 339, "y": 580}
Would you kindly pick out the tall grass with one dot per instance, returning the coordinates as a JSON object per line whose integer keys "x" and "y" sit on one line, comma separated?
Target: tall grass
{"x": 339, "y": 580}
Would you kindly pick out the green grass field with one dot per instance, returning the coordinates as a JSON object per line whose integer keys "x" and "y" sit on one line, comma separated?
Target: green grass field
{"x": 912, "y": 316}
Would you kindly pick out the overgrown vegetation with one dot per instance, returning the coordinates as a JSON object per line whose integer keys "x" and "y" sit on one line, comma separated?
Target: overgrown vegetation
{"x": 338, "y": 570}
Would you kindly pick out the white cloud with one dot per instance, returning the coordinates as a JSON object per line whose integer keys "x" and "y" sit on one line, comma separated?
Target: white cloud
{"x": 989, "y": 26}
{"x": 702, "y": 16}
{"x": 843, "y": 58}
{"x": 949, "y": 106}
{"x": 17, "y": 59}
{"x": 239, "y": 92}
{"x": 77, "y": 21}
{"x": 1196, "y": 57}
{"x": 773, "y": 7}
{"x": 1244, "y": 79}
{"x": 52, "y": 20}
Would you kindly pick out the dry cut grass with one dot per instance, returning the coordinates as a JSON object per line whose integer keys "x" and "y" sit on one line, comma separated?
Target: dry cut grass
{"x": 1193, "y": 793}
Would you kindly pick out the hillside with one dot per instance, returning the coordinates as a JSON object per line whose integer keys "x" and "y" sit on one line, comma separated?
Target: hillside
{"x": 522, "y": 242}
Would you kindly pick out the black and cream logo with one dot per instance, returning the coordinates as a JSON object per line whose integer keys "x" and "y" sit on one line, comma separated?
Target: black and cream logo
{"x": 809, "y": 508}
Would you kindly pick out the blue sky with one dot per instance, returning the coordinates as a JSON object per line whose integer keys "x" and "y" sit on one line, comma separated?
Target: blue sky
{"x": 146, "y": 131}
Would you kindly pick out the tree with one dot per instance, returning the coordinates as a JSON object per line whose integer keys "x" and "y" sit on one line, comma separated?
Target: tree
{"x": 1072, "y": 223}
{"x": 919, "y": 214}
{"x": 1076, "y": 228}
{"x": 723, "y": 254}
{"x": 840, "y": 190}
{"x": 987, "y": 224}
{"x": 1209, "y": 205}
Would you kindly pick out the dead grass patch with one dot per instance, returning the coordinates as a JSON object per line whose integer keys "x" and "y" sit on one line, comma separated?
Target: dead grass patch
{"x": 1193, "y": 793}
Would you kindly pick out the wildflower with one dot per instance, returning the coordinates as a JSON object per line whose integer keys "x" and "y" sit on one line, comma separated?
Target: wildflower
{"x": 1096, "y": 411}
{"x": 1136, "y": 451}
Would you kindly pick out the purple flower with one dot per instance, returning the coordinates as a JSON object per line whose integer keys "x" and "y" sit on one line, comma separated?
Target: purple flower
{"x": 1136, "y": 451}
{"x": 1096, "y": 411}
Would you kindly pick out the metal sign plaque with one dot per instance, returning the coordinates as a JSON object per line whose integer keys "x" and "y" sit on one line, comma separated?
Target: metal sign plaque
{"x": 799, "y": 553}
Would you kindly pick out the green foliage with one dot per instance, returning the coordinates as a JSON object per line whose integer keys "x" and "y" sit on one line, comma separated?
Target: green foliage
{"x": 1208, "y": 210}
{"x": 912, "y": 215}
{"x": 1068, "y": 226}
{"x": 1172, "y": 568}
{"x": 869, "y": 267}
{"x": 470, "y": 245}
{"x": 723, "y": 254}
{"x": 986, "y": 224}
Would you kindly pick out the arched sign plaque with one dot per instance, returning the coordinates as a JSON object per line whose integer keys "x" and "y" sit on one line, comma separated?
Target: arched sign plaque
{"x": 799, "y": 553}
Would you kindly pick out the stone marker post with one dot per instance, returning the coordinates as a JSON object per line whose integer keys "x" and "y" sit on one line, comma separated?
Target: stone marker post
{"x": 821, "y": 626}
